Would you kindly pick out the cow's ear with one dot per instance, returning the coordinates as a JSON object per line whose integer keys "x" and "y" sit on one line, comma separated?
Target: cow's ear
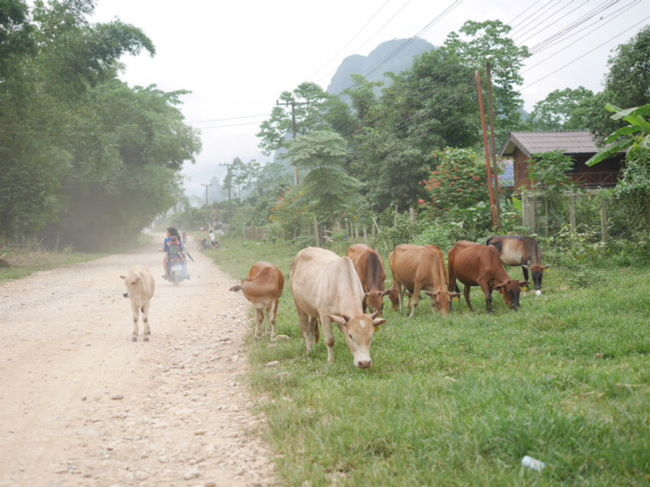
{"x": 525, "y": 266}
{"x": 122, "y": 277}
{"x": 523, "y": 283}
{"x": 374, "y": 315}
{"x": 547, "y": 267}
{"x": 499, "y": 287}
{"x": 378, "y": 322}
{"x": 387, "y": 292}
{"x": 340, "y": 319}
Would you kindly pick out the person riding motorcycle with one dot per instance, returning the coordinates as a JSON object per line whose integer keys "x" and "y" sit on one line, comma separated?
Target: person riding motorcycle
{"x": 174, "y": 251}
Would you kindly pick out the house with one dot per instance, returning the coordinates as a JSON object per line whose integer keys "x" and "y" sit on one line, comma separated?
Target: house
{"x": 580, "y": 146}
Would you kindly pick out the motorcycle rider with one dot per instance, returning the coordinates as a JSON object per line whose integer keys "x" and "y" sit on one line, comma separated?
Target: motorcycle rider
{"x": 173, "y": 248}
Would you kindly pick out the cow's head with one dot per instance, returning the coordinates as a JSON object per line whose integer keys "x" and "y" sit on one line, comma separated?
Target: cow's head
{"x": 131, "y": 280}
{"x": 511, "y": 290}
{"x": 537, "y": 273}
{"x": 358, "y": 333}
{"x": 441, "y": 300}
{"x": 375, "y": 300}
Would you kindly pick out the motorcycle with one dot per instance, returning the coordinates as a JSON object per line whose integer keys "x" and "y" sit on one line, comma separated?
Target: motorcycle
{"x": 178, "y": 270}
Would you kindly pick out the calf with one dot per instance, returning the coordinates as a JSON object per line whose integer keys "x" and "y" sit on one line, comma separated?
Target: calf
{"x": 418, "y": 268}
{"x": 370, "y": 268}
{"x": 326, "y": 287}
{"x": 263, "y": 288}
{"x": 139, "y": 288}
{"x": 479, "y": 265}
{"x": 522, "y": 251}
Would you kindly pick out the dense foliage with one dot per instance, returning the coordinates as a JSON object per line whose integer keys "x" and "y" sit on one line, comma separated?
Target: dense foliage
{"x": 84, "y": 159}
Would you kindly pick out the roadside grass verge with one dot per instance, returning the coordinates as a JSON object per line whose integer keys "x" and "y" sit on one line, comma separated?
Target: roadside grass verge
{"x": 459, "y": 401}
{"x": 26, "y": 259}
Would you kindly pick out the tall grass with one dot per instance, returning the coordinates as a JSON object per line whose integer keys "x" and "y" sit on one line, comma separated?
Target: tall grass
{"x": 459, "y": 401}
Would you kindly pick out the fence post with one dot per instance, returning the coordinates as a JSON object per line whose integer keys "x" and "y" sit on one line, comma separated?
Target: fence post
{"x": 572, "y": 213}
{"x": 530, "y": 209}
{"x": 604, "y": 221}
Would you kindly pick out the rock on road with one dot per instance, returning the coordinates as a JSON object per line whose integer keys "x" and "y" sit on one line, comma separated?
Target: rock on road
{"x": 81, "y": 404}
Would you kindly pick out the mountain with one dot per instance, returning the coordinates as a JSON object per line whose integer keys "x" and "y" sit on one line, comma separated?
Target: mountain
{"x": 390, "y": 56}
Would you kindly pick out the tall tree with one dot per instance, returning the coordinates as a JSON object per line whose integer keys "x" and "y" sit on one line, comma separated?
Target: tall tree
{"x": 328, "y": 190}
{"x": 487, "y": 43}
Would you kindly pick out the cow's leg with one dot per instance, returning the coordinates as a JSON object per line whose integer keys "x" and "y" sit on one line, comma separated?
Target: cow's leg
{"x": 136, "y": 314}
{"x": 307, "y": 330}
{"x": 525, "y": 271}
{"x": 273, "y": 314}
{"x": 259, "y": 320}
{"x": 414, "y": 300}
{"x": 400, "y": 293}
{"x": 487, "y": 290}
{"x": 329, "y": 337}
{"x": 466, "y": 291}
{"x": 145, "y": 318}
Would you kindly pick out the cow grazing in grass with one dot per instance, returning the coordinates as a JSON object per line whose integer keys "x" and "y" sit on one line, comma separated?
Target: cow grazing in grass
{"x": 139, "y": 289}
{"x": 263, "y": 288}
{"x": 326, "y": 287}
{"x": 418, "y": 268}
{"x": 524, "y": 252}
{"x": 370, "y": 268}
{"x": 479, "y": 265}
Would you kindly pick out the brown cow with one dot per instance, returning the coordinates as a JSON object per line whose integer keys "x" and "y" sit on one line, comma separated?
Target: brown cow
{"x": 418, "y": 268}
{"x": 523, "y": 251}
{"x": 327, "y": 288}
{"x": 263, "y": 288}
{"x": 368, "y": 264}
{"x": 474, "y": 264}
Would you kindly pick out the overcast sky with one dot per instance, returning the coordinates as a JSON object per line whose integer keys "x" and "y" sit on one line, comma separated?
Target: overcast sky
{"x": 236, "y": 57}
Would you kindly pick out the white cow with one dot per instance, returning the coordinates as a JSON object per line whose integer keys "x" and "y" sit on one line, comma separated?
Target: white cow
{"x": 139, "y": 288}
{"x": 326, "y": 287}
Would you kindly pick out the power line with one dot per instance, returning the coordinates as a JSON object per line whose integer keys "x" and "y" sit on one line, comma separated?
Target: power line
{"x": 418, "y": 33}
{"x": 620, "y": 12}
{"x": 384, "y": 25}
{"x": 583, "y": 55}
{"x": 313, "y": 75}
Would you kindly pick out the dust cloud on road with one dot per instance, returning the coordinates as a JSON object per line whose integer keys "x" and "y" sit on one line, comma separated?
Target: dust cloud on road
{"x": 81, "y": 404}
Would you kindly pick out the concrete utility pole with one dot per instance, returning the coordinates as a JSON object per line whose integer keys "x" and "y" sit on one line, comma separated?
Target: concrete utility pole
{"x": 206, "y": 192}
{"x": 293, "y": 104}
{"x": 490, "y": 177}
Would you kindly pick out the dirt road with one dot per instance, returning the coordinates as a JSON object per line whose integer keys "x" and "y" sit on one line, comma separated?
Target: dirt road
{"x": 81, "y": 404}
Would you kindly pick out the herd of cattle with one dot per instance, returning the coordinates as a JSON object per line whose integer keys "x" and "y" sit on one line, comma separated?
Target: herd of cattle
{"x": 329, "y": 288}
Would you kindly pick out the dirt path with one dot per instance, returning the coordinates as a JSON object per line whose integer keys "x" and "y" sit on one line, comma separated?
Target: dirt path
{"x": 80, "y": 404}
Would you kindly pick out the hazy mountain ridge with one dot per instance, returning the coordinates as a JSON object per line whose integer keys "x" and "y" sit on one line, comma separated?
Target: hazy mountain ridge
{"x": 391, "y": 56}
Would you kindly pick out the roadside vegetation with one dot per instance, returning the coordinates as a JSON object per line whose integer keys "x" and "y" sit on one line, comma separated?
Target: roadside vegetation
{"x": 21, "y": 260}
{"x": 460, "y": 401}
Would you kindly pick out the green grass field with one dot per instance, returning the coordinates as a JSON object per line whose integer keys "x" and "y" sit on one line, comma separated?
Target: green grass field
{"x": 459, "y": 401}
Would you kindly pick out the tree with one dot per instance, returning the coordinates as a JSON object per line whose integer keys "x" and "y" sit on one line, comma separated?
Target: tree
{"x": 487, "y": 43}
{"x": 299, "y": 111}
{"x": 627, "y": 83}
{"x": 459, "y": 180}
{"x": 328, "y": 191}
{"x": 562, "y": 110}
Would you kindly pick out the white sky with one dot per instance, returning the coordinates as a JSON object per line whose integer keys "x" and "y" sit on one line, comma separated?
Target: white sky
{"x": 236, "y": 57}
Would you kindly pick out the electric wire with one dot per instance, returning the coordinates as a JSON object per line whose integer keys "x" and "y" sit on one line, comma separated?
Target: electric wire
{"x": 583, "y": 55}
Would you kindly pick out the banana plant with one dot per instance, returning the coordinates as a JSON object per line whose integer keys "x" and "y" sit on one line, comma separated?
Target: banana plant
{"x": 634, "y": 136}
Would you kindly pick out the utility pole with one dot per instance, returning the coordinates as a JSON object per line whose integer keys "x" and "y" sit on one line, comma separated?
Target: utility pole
{"x": 490, "y": 177}
{"x": 493, "y": 123}
{"x": 293, "y": 104}
{"x": 228, "y": 178}
{"x": 206, "y": 192}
